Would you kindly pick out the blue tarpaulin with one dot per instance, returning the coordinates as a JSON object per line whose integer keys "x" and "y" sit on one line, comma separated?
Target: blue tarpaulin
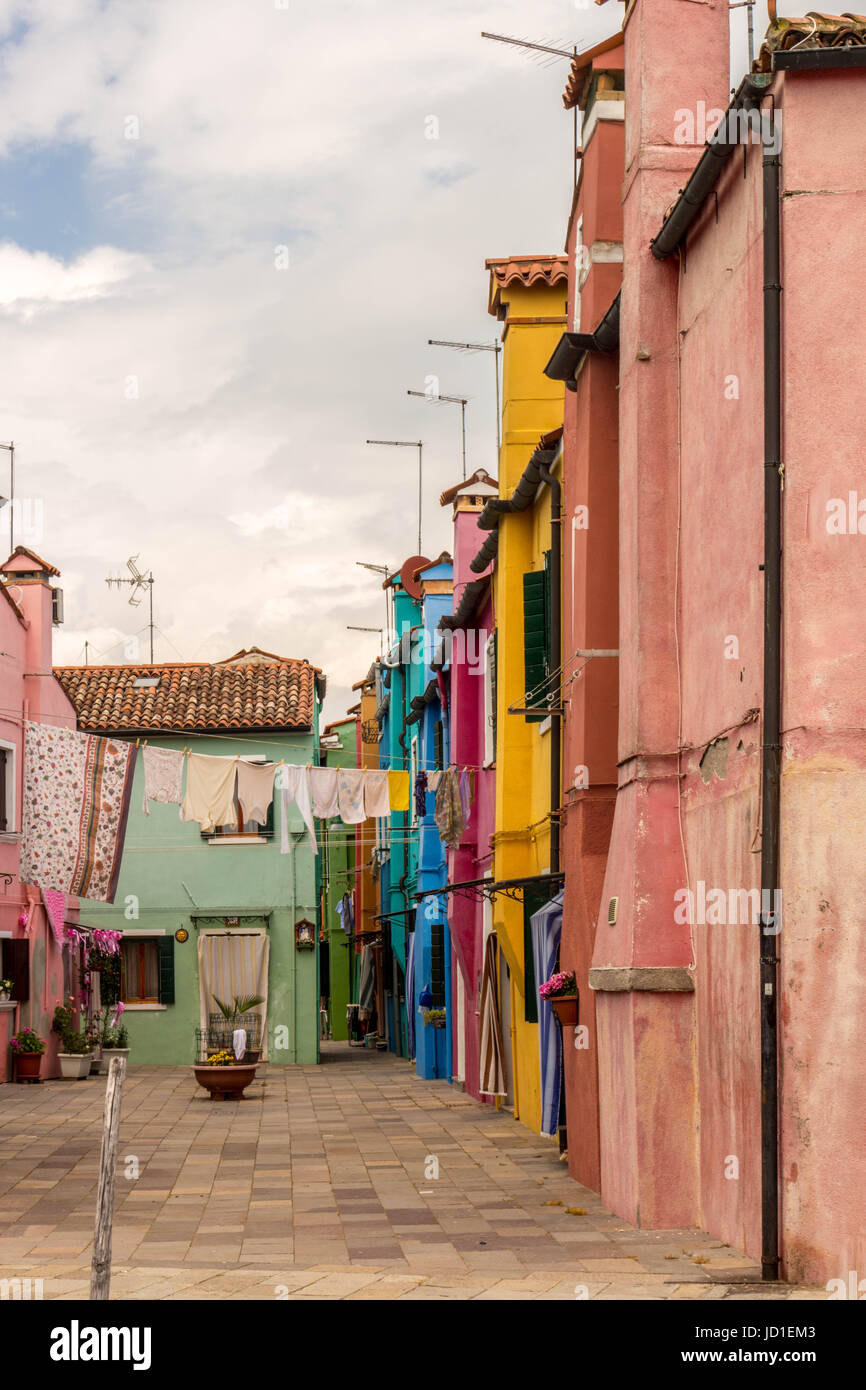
{"x": 546, "y": 926}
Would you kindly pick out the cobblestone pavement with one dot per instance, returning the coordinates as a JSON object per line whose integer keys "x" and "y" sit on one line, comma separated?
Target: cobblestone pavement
{"x": 319, "y": 1185}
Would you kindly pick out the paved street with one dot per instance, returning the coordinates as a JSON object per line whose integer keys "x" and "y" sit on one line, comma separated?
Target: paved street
{"x": 320, "y": 1185}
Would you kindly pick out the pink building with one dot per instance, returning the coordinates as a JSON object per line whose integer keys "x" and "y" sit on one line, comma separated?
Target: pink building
{"x": 742, "y": 668}
{"x": 472, "y": 745}
{"x": 29, "y": 954}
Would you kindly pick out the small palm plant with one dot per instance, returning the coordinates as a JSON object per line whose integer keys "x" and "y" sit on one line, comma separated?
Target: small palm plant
{"x": 241, "y": 1004}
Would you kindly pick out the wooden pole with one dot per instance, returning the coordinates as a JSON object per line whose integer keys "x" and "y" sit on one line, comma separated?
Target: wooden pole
{"x": 100, "y": 1269}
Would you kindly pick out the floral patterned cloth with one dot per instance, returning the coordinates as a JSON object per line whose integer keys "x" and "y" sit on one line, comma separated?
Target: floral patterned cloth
{"x": 76, "y": 802}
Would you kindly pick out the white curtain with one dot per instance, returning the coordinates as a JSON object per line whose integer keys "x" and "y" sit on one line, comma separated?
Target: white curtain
{"x": 231, "y": 963}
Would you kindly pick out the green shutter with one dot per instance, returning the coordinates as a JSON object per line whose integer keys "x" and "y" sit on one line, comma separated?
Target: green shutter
{"x": 535, "y": 640}
{"x": 165, "y": 947}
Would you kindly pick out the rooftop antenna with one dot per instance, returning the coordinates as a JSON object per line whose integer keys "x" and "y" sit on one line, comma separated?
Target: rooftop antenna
{"x": 139, "y": 582}
{"x": 407, "y": 444}
{"x": 462, "y": 401}
{"x": 495, "y": 347}
{"x": 385, "y": 570}
{"x": 748, "y": 6}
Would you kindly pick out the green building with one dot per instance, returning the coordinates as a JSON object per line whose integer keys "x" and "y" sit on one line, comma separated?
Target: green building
{"x": 338, "y": 967}
{"x": 219, "y": 913}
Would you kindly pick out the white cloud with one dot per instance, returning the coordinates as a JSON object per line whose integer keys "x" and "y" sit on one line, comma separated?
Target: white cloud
{"x": 33, "y": 280}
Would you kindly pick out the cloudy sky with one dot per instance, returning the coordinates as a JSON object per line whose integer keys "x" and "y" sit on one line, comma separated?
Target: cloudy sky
{"x": 225, "y": 238}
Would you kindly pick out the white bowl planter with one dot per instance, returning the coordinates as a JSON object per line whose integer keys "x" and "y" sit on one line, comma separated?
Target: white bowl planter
{"x": 107, "y": 1054}
{"x": 74, "y": 1066}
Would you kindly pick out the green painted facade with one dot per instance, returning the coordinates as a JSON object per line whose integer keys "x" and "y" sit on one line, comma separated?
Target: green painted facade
{"x": 173, "y": 878}
{"x": 338, "y": 877}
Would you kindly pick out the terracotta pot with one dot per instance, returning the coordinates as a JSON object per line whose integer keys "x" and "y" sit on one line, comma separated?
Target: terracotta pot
{"x": 27, "y": 1066}
{"x": 565, "y": 1008}
{"x": 74, "y": 1066}
{"x": 225, "y": 1083}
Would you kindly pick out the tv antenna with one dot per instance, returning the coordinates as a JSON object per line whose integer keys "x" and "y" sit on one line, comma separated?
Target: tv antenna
{"x": 138, "y": 582}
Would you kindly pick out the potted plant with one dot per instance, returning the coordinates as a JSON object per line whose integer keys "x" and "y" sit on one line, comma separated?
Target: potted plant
{"x": 113, "y": 1037}
{"x": 5, "y": 989}
{"x": 76, "y": 1049}
{"x": 223, "y": 1075}
{"x": 434, "y": 1017}
{"x": 27, "y": 1049}
{"x": 233, "y": 1014}
{"x": 561, "y": 992}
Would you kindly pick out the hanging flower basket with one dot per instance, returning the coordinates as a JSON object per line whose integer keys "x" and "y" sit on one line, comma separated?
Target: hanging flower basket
{"x": 560, "y": 991}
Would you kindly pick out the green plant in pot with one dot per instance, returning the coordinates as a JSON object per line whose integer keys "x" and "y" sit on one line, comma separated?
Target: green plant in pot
{"x": 234, "y": 1013}
{"x": 5, "y": 989}
{"x": 113, "y": 1037}
{"x": 76, "y": 1048}
{"x": 27, "y": 1049}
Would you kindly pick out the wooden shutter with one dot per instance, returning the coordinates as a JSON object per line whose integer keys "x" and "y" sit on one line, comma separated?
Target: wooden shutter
{"x": 535, "y": 640}
{"x": 4, "y": 814}
{"x": 16, "y": 967}
{"x": 437, "y": 964}
{"x": 165, "y": 946}
{"x": 494, "y": 656}
{"x": 438, "y": 743}
{"x": 534, "y": 896}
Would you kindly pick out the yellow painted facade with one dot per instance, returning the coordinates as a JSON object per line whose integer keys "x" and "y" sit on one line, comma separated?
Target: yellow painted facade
{"x": 532, "y": 405}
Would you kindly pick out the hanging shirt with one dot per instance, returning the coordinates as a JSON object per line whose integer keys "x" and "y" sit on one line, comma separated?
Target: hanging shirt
{"x": 350, "y": 795}
{"x": 465, "y": 795}
{"x": 448, "y": 814}
{"x": 398, "y": 790}
{"x": 421, "y": 794}
{"x": 346, "y": 913}
{"x": 210, "y": 791}
{"x": 163, "y": 776}
{"x": 376, "y": 800}
{"x": 255, "y": 790}
{"x": 433, "y": 780}
{"x": 323, "y": 792}
{"x": 293, "y": 781}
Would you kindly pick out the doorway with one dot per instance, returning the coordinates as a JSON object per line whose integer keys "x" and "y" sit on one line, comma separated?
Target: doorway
{"x": 233, "y": 964}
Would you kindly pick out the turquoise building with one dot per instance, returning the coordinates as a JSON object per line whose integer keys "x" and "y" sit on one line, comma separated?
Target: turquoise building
{"x": 205, "y": 914}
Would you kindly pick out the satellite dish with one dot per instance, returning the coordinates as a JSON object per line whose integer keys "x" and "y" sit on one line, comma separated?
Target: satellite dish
{"x": 407, "y": 574}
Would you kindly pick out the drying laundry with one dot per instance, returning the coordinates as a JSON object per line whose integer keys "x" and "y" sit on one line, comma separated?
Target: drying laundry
{"x": 448, "y": 814}
{"x": 376, "y": 801}
{"x": 55, "y": 911}
{"x": 255, "y": 790}
{"x": 76, "y": 795}
{"x": 398, "y": 790}
{"x": 163, "y": 776}
{"x": 433, "y": 780}
{"x": 293, "y": 781}
{"x": 350, "y": 795}
{"x": 346, "y": 913}
{"x": 421, "y": 794}
{"x": 465, "y": 795}
{"x": 323, "y": 791}
{"x": 210, "y": 791}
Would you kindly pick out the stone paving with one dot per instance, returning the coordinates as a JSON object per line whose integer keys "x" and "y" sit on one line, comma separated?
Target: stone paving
{"x": 320, "y": 1185}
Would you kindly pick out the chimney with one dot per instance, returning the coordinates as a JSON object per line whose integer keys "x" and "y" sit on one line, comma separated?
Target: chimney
{"x": 30, "y": 582}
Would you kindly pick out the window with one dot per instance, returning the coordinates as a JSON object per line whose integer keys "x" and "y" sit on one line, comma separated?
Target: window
{"x": 139, "y": 971}
{"x": 536, "y": 638}
{"x": 7, "y": 788}
{"x": 413, "y": 774}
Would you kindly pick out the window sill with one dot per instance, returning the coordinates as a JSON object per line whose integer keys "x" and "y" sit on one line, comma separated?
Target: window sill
{"x": 144, "y": 1008}
{"x": 237, "y": 840}
{"x": 9, "y": 837}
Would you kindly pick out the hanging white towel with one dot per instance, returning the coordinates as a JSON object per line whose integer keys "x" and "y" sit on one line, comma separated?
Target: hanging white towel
{"x": 323, "y": 791}
{"x": 294, "y": 784}
{"x": 239, "y": 1042}
{"x": 255, "y": 790}
{"x": 376, "y": 799}
{"x": 163, "y": 776}
{"x": 210, "y": 791}
{"x": 350, "y": 795}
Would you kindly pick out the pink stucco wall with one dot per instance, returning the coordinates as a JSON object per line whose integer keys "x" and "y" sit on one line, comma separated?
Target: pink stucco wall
{"x": 28, "y": 691}
{"x": 474, "y": 857}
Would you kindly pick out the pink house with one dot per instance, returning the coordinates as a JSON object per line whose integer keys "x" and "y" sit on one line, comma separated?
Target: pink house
{"x": 29, "y": 955}
{"x": 731, "y": 1090}
{"x": 472, "y": 745}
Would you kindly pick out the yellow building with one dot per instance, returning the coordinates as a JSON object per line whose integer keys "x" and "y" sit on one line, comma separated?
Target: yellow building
{"x": 528, "y": 296}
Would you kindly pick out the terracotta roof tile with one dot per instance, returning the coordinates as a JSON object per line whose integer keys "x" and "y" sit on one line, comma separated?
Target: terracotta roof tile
{"x": 274, "y": 693}
{"x": 815, "y": 30}
{"x": 527, "y": 270}
{"x": 31, "y": 555}
{"x": 480, "y": 476}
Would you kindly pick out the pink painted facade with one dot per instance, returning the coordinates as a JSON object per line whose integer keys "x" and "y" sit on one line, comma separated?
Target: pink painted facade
{"x": 677, "y": 1004}
{"x": 473, "y": 859}
{"x": 28, "y": 691}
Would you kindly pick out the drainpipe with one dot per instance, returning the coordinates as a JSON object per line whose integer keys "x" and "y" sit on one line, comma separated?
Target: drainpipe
{"x": 556, "y": 649}
{"x": 771, "y": 750}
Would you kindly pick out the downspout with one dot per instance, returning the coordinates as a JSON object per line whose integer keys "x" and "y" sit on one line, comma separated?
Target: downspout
{"x": 556, "y": 657}
{"x": 771, "y": 742}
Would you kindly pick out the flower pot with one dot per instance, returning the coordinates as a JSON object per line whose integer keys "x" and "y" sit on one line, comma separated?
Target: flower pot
{"x": 27, "y": 1066}
{"x": 565, "y": 1008}
{"x": 107, "y": 1054}
{"x": 74, "y": 1066}
{"x": 225, "y": 1083}
{"x": 95, "y": 1062}
{"x": 4, "y": 995}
